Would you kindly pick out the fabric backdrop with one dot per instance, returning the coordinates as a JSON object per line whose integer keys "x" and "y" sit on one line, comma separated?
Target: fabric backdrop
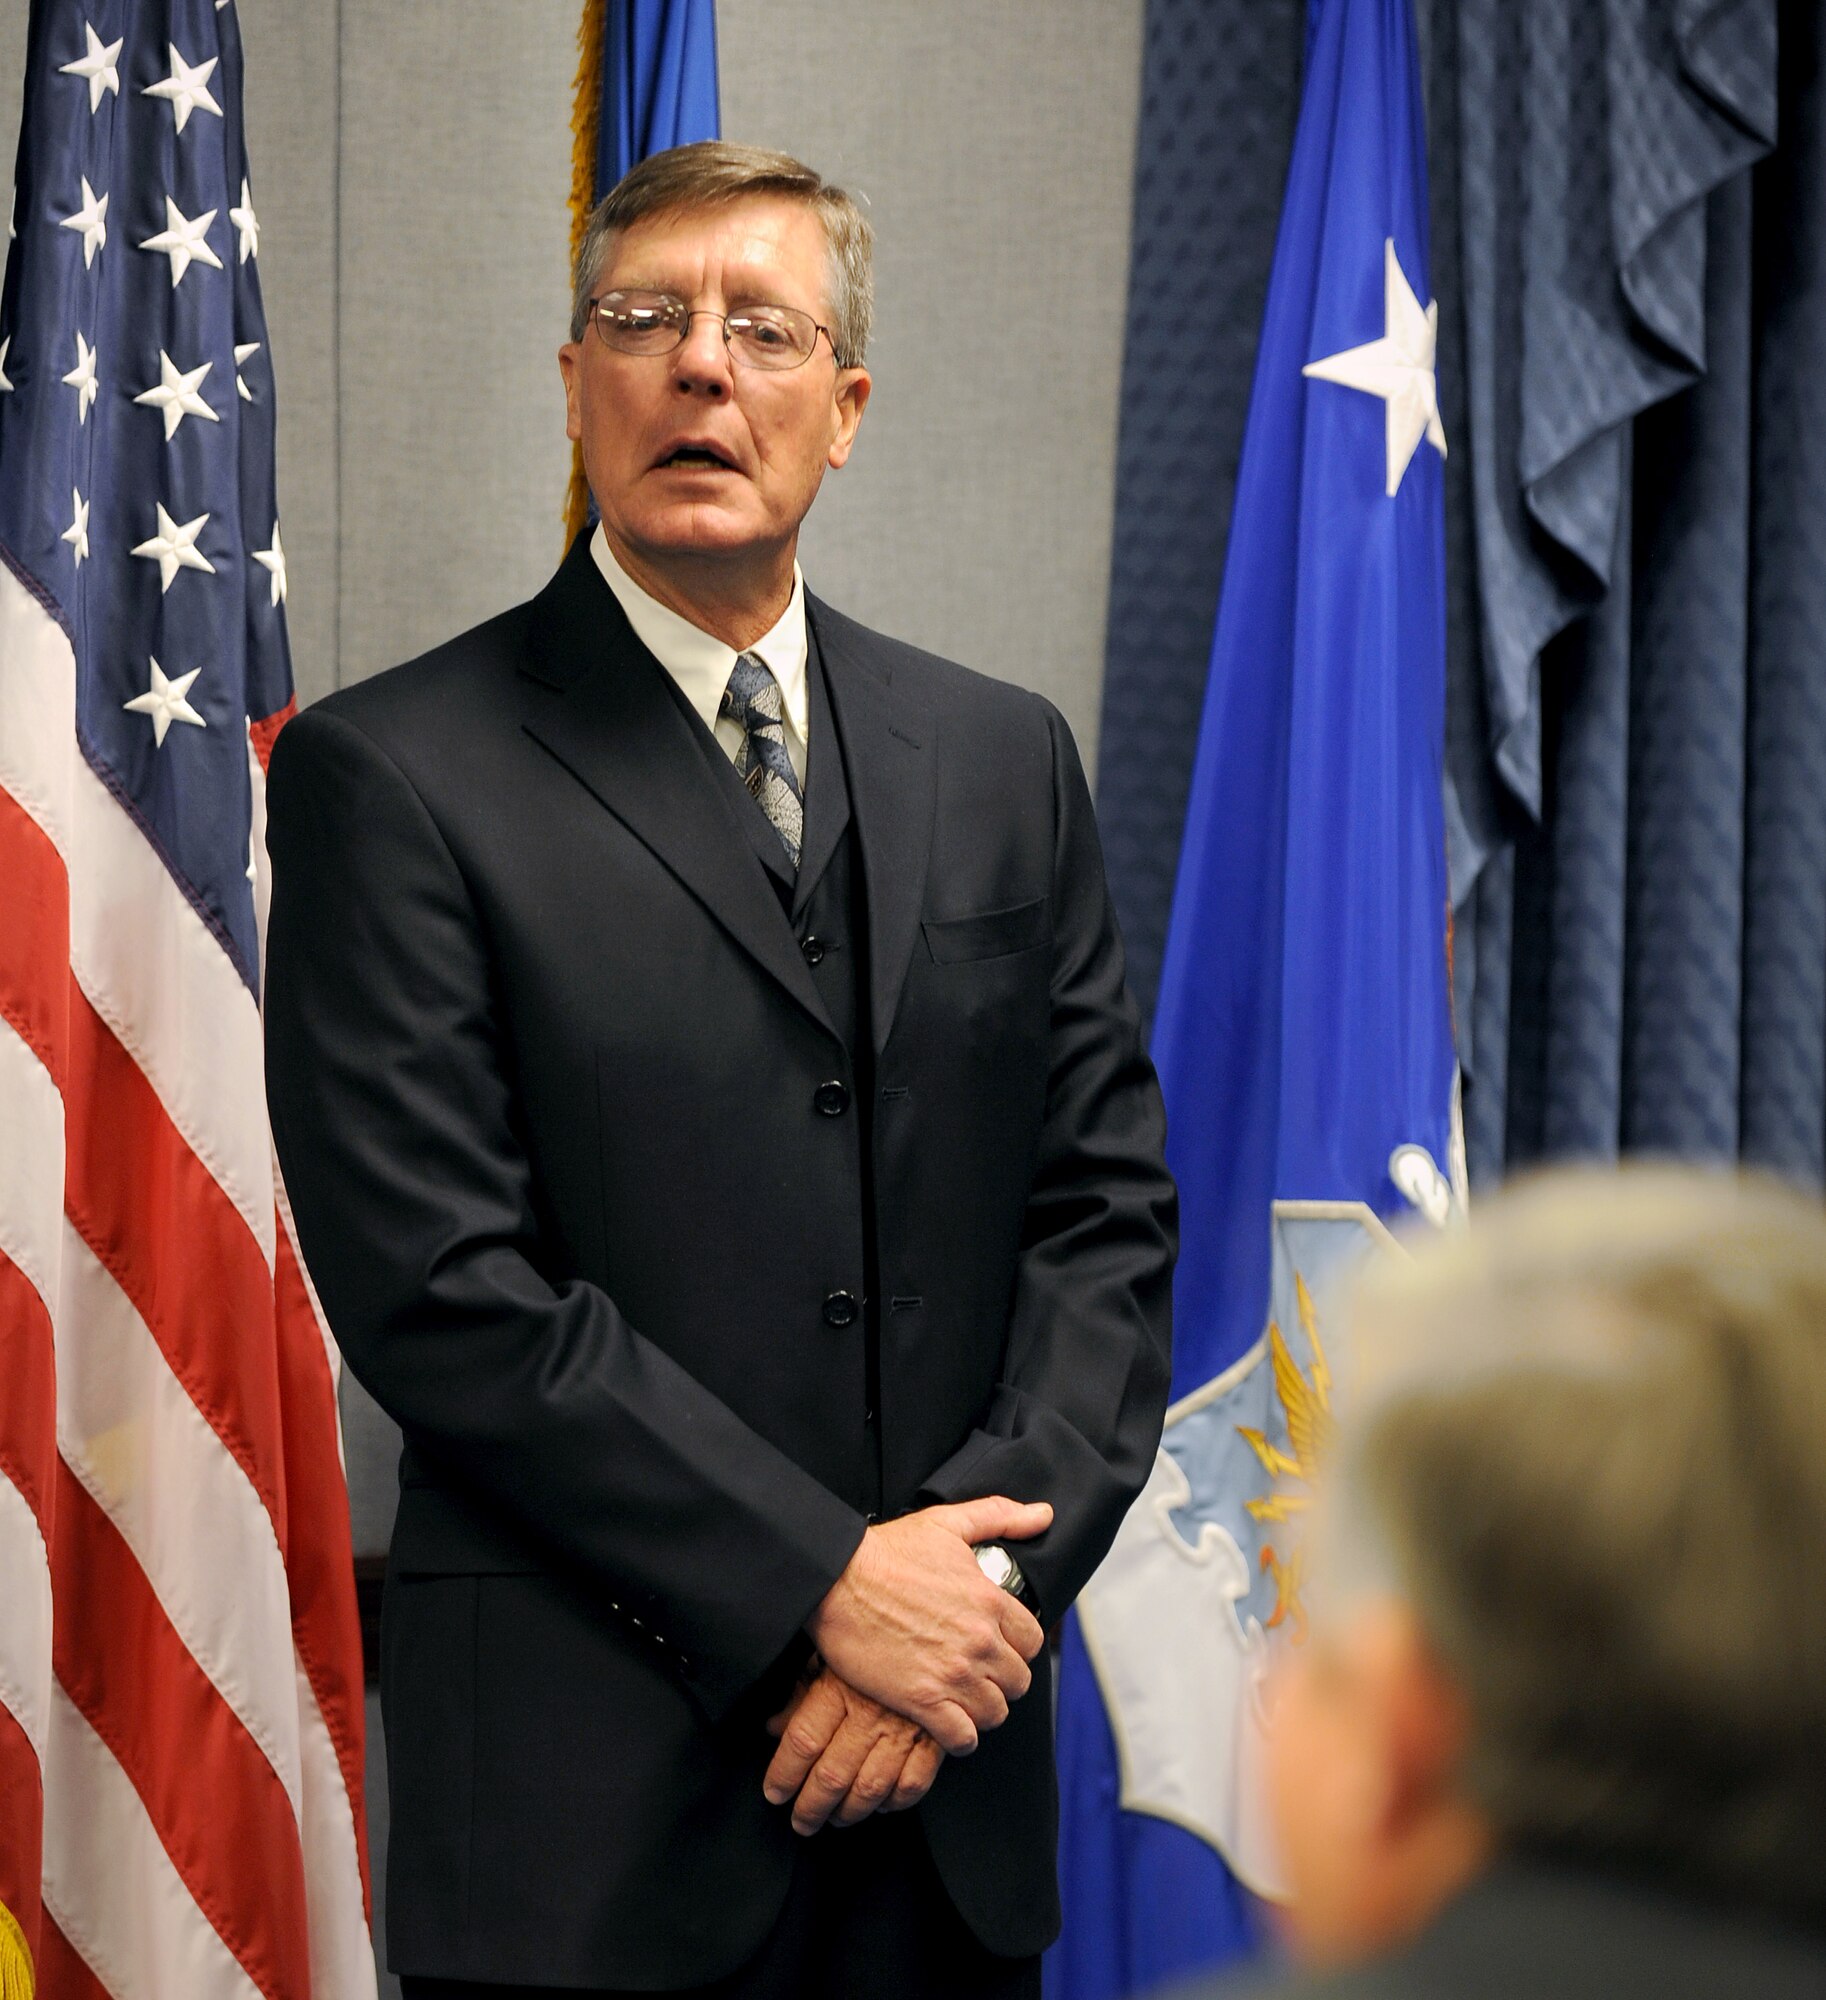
{"x": 1629, "y": 229}
{"x": 1638, "y": 751}
{"x": 1220, "y": 93}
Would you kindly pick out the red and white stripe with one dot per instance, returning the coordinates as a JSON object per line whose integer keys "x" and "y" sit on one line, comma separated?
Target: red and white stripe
{"x": 180, "y": 1664}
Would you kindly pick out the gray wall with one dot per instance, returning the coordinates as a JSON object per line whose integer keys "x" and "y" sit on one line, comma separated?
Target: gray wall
{"x": 995, "y": 145}
{"x": 410, "y": 166}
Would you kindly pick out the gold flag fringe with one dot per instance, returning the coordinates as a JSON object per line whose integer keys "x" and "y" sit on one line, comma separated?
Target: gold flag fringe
{"x": 586, "y": 121}
{"x": 16, "y": 1980}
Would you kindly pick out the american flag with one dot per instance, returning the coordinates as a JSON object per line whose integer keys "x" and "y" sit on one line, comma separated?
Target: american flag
{"x": 180, "y": 1669}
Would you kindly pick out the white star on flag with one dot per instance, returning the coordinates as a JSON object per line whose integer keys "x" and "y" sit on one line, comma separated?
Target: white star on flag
{"x": 176, "y": 394}
{"x": 181, "y": 240}
{"x": 77, "y": 533}
{"x": 174, "y": 547}
{"x": 81, "y": 378}
{"x": 275, "y": 559}
{"x": 245, "y": 220}
{"x": 5, "y": 380}
{"x": 187, "y": 88}
{"x": 244, "y": 351}
{"x": 96, "y": 67}
{"x": 1398, "y": 368}
{"x": 164, "y": 702}
{"x": 92, "y": 219}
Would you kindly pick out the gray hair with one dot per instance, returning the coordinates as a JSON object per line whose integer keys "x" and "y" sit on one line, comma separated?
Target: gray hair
{"x": 1588, "y": 1448}
{"x": 712, "y": 173}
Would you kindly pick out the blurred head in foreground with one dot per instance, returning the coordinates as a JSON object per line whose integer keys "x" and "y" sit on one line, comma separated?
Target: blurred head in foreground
{"x": 1569, "y": 1577}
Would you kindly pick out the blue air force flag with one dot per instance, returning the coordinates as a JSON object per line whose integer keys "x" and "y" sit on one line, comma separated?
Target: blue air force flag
{"x": 1302, "y": 1034}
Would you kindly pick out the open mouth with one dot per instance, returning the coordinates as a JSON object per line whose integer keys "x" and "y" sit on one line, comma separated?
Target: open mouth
{"x": 704, "y": 457}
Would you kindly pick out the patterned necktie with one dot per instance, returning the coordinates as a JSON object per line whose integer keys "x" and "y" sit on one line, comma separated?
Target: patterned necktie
{"x": 752, "y": 698}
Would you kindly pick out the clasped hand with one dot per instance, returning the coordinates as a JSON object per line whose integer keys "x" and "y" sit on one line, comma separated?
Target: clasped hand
{"x": 918, "y": 1654}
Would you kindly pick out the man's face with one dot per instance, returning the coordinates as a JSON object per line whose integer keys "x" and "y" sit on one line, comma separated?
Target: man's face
{"x": 1322, "y": 1785}
{"x": 1366, "y": 1738}
{"x": 772, "y": 432}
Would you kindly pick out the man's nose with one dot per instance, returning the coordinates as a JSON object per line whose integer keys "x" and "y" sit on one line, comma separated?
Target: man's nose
{"x": 700, "y": 363}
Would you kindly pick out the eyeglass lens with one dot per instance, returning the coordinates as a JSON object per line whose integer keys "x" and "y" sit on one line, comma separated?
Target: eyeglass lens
{"x": 762, "y": 336}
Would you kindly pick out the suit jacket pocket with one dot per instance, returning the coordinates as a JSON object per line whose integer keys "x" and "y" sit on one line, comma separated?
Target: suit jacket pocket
{"x": 992, "y": 934}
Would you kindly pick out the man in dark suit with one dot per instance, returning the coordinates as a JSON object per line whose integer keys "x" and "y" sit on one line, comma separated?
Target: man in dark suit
{"x": 1559, "y": 1730}
{"x": 721, "y": 1137}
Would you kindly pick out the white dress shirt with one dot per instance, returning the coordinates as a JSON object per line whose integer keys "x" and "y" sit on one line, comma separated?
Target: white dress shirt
{"x": 701, "y": 665}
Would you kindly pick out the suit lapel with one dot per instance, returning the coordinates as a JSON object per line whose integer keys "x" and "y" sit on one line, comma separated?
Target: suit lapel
{"x": 827, "y": 798}
{"x": 604, "y": 709}
{"x": 887, "y": 740}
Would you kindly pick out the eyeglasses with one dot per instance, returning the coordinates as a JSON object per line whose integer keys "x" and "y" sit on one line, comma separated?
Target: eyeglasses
{"x": 656, "y": 323}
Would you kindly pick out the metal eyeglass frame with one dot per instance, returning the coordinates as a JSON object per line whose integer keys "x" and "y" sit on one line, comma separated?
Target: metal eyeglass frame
{"x": 704, "y": 312}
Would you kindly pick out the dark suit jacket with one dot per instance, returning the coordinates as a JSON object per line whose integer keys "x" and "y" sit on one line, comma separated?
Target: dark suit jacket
{"x": 1533, "y": 1932}
{"x": 543, "y": 1052}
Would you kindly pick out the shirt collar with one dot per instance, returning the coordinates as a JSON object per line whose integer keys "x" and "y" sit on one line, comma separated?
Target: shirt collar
{"x": 701, "y": 664}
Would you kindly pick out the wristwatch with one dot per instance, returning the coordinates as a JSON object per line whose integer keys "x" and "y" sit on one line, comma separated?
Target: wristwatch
{"x": 1001, "y": 1568}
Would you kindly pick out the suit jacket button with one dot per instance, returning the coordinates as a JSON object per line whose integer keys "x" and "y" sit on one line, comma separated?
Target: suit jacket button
{"x": 840, "y": 1309}
{"x": 814, "y": 949}
{"x": 831, "y": 1099}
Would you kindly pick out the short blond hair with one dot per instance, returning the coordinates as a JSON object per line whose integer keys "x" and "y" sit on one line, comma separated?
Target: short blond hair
{"x": 712, "y": 173}
{"x": 1589, "y": 1448}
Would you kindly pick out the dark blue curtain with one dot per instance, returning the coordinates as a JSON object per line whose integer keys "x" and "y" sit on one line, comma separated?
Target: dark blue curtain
{"x": 1638, "y": 763}
{"x": 1629, "y": 248}
{"x": 1220, "y": 93}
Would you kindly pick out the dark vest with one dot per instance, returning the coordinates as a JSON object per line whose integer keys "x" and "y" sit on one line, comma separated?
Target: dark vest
{"x": 825, "y": 908}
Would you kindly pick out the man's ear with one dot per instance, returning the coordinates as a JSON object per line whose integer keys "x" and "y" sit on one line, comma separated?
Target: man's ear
{"x": 851, "y": 399}
{"x": 570, "y": 362}
{"x": 1421, "y": 1715}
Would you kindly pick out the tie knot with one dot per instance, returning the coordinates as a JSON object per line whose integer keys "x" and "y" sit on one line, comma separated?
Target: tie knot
{"x": 753, "y": 695}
